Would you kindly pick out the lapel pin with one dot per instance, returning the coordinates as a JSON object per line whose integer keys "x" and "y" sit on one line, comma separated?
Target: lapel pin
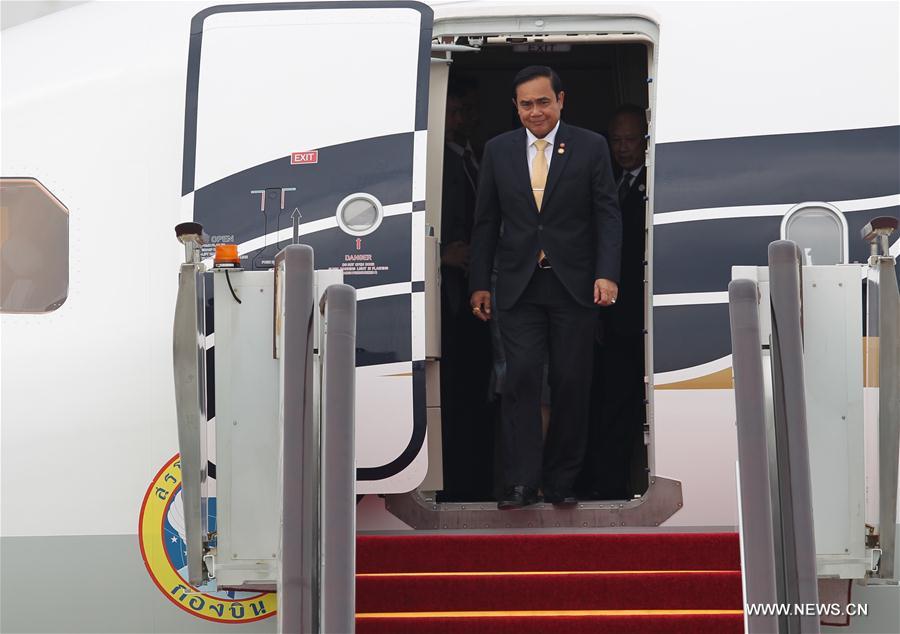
{"x": 641, "y": 187}
{"x": 562, "y": 148}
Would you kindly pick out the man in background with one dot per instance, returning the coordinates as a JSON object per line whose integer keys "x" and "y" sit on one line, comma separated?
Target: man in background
{"x": 467, "y": 422}
{"x": 616, "y": 460}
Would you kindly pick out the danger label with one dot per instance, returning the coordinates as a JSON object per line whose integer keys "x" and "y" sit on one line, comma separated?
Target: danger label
{"x": 361, "y": 264}
{"x": 304, "y": 158}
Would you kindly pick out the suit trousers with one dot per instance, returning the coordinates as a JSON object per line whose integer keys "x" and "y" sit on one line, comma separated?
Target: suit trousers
{"x": 545, "y": 319}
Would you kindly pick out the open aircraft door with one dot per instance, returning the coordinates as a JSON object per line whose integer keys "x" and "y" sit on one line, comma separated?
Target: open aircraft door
{"x": 312, "y": 117}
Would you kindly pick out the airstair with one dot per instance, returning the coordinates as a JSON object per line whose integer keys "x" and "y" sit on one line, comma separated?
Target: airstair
{"x": 284, "y": 434}
{"x": 597, "y": 583}
{"x": 816, "y": 354}
{"x": 817, "y": 385}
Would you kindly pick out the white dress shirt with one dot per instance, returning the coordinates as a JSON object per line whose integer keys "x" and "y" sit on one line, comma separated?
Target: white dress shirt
{"x": 548, "y": 151}
{"x": 460, "y": 150}
{"x": 631, "y": 175}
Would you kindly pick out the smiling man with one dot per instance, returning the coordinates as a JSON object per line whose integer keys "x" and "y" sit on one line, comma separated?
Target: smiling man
{"x": 551, "y": 187}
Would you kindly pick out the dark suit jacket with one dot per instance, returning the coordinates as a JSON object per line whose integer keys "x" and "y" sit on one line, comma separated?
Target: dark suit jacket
{"x": 457, "y": 202}
{"x": 627, "y": 316}
{"x": 579, "y": 226}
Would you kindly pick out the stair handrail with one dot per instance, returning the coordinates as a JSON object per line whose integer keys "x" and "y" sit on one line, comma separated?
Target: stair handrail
{"x": 318, "y": 543}
{"x": 797, "y": 534}
{"x": 299, "y": 580}
{"x": 338, "y": 307}
{"x": 189, "y": 370}
{"x": 883, "y": 330}
{"x": 755, "y": 503}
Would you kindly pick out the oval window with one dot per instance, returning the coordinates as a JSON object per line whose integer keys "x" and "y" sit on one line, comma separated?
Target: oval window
{"x": 359, "y": 214}
{"x": 34, "y": 248}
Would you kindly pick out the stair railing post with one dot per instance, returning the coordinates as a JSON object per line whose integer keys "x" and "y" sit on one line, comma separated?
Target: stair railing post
{"x": 795, "y": 487}
{"x": 883, "y": 341}
{"x": 339, "y": 460}
{"x": 756, "y": 532}
{"x": 299, "y": 583}
{"x": 189, "y": 369}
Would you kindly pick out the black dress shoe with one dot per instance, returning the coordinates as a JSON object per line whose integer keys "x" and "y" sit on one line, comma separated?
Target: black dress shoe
{"x": 561, "y": 500}
{"x": 515, "y": 497}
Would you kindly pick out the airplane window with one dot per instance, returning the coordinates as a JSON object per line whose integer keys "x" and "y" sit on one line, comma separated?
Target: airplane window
{"x": 34, "y": 248}
{"x": 820, "y": 230}
{"x": 359, "y": 214}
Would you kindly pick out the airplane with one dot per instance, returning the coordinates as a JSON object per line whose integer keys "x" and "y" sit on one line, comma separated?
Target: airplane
{"x": 256, "y": 120}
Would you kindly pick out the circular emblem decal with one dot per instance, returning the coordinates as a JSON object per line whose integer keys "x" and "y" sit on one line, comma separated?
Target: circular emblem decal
{"x": 161, "y": 535}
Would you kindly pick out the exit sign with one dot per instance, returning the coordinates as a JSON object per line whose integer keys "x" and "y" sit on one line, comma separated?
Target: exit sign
{"x": 304, "y": 158}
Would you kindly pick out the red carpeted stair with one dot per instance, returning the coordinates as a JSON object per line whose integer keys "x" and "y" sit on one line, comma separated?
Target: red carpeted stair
{"x": 521, "y": 584}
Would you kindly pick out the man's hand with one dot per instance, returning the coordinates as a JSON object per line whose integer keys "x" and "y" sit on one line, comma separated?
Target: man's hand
{"x": 481, "y": 304}
{"x": 456, "y": 254}
{"x": 605, "y": 292}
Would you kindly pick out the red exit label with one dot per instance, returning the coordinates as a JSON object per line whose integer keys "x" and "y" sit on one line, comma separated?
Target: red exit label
{"x": 304, "y": 158}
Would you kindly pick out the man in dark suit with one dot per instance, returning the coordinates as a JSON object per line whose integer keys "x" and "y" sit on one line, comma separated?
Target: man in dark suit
{"x": 551, "y": 187}
{"x": 616, "y": 456}
{"x": 467, "y": 414}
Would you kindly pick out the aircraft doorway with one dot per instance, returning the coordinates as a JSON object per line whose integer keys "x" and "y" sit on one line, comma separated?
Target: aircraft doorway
{"x": 599, "y": 79}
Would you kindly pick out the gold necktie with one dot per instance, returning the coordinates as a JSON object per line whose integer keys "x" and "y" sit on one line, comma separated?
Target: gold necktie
{"x": 539, "y": 178}
{"x": 539, "y": 172}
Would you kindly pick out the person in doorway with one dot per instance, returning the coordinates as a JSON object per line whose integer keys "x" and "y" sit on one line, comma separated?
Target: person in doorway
{"x": 463, "y": 123}
{"x": 458, "y": 202}
{"x": 467, "y": 414}
{"x": 616, "y": 457}
{"x": 460, "y": 181}
{"x": 552, "y": 188}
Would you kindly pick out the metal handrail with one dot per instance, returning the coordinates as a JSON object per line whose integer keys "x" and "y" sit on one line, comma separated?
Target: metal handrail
{"x": 757, "y": 540}
{"x": 883, "y": 344}
{"x": 884, "y": 291}
{"x": 189, "y": 365}
{"x": 797, "y": 538}
{"x": 318, "y": 554}
{"x": 338, "y": 459}
{"x": 298, "y": 604}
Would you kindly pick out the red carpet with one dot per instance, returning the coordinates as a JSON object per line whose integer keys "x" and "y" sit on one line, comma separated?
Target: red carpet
{"x": 519, "y": 584}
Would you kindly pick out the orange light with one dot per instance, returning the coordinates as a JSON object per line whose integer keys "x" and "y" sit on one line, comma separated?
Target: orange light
{"x": 227, "y": 256}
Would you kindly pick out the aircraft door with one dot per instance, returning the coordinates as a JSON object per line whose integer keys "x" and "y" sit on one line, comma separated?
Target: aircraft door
{"x": 312, "y": 118}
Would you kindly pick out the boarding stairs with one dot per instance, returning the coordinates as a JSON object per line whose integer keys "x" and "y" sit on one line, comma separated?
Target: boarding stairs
{"x": 539, "y": 583}
{"x": 818, "y": 429}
